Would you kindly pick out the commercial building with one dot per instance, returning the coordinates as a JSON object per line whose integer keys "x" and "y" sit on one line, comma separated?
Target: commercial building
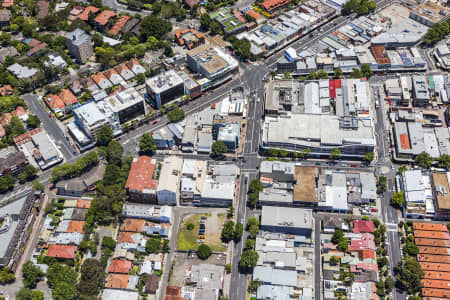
{"x": 126, "y": 105}
{"x": 429, "y": 13}
{"x": 79, "y": 44}
{"x": 90, "y": 119}
{"x": 192, "y": 180}
{"x": 421, "y": 93}
{"x": 289, "y": 220}
{"x": 441, "y": 185}
{"x": 230, "y": 135}
{"x": 164, "y": 87}
{"x": 42, "y": 150}
{"x": 213, "y": 63}
{"x": 141, "y": 185}
{"x": 161, "y": 214}
{"x": 320, "y": 133}
{"x": 418, "y": 193}
{"x": 168, "y": 191}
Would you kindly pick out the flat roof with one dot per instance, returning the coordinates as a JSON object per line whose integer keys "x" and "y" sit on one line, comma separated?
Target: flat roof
{"x": 164, "y": 81}
{"x": 286, "y": 217}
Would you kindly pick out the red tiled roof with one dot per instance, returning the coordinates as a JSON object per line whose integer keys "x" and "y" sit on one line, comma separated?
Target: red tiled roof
{"x": 25, "y": 137}
{"x": 36, "y": 49}
{"x": 432, "y": 242}
{"x": 430, "y": 226}
{"x": 110, "y": 73}
{"x": 117, "y": 281}
{"x": 125, "y": 237}
{"x": 192, "y": 3}
{"x": 141, "y": 174}
{"x": 437, "y": 284}
{"x": 75, "y": 226}
{"x": 404, "y": 141}
{"x": 6, "y": 90}
{"x": 435, "y": 293}
{"x": 19, "y": 111}
{"x": 62, "y": 251}
{"x": 119, "y": 25}
{"x": 253, "y": 14}
{"x": 360, "y": 226}
{"x": 43, "y": 9}
{"x": 98, "y": 77}
{"x": 132, "y": 225}
{"x": 131, "y": 63}
{"x": 7, "y": 3}
{"x": 367, "y": 266}
{"x": 173, "y": 293}
{"x": 54, "y": 102}
{"x": 434, "y": 258}
{"x": 120, "y": 266}
{"x": 367, "y": 253}
{"x": 434, "y": 250}
{"x": 104, "y": 16}
{"x": 85, "y": 14}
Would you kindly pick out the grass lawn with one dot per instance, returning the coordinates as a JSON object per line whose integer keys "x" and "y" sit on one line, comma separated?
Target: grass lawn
{"x": 187, "y": 239}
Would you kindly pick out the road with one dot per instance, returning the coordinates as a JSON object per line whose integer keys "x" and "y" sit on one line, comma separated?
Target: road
{"x": 386, "y": 168}
{"x": 50, "y": 125}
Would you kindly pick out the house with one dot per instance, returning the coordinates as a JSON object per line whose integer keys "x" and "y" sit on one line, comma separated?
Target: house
{"x": 114, "y": 77}
{"x": 119, "y": 25}
{"x": 119, "y": 295}
{"x": 192, "y": 3}
{"x": 21, "y": 72}
{"x": 7, "y": 3}
{"x": 61, "y": 103}
{"x": 151, "y": 286}
{"x": 121, "y": 281}
{"x": 140, "y": 184}
{"x": 6, "y": 90}
{"x": 124, "y": 72}
{"x": 135, "y": 66}
{"x": 87, "y": 11}
{"x": 43, "y": 9}
{"x": 5, "y": 119}
{"x": 21, "y": 113}
{"x": 102, "y": 19}
{"x": 76, "y": 87}
{"x": 101, "y": 80}
{"x": 5, "y": 17}
{"x": 362, "y": 226}
{"x": 57, "y": 61}
{"x": 62, "y": 251}
{"x": 120, "y": 266}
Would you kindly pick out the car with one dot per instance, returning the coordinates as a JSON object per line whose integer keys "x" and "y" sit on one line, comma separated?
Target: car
{"x": 154, "y": 122}
{"x": 373, "y": 210}
{"x": 354, "y": 166}
{"x": 201, "y": 237}
{"x": 203, "y": 218}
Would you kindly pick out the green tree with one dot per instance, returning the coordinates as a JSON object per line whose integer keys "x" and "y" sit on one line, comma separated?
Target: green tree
{"x": 356, "y": 73}
{"x": 153, "y": 43}
{"x": 215, "y": 28}
{"x": 402, "y": 169}
{"x": 249, "y": 258}
{"x": 205, "y": 20}
{"x": 165, "y": 246}
{"x": 249, "y": 244}
{"x": 36, "y": 295}
{"x": 92, "y": 277}
{"x": 6, "y": 183}
{"x": 398, "y": 199}
{"x": 242, "y": 48}
{"x": 6, "y": 276}
{"x": 228, "y": 268}
{"x": 424, "y": 160}
{"x": 105, "y": 56}
{"x": 335, "y": 154}
{"x": 36, "y": 185}
{"x": 255, "y": 186}
{"x": 228, "y": 231}
{"x": 33, "y": 121}
{"x": 338, "y": 73}
{"x": 411, "y": 248}
{"x": 147, "y": 144}
{"x": 64, "y": 291}
{"x": 252, "y": 221}
{"x": 366, "y": 70}
{"x": 253, "y": 230}
{"x": 218, "y": 148}
{"x": 140, "y": 78}
{"x": 108, "y": 243}
{"x": 175, "y": 115}
{"x": 369, "y": 156}
{"x": 444, "y": 161}
{"x": 338, "y": 235}
{"x": 104, "y": 136}
{"x": 15, "y": 127}
{"x": 410, "y": 275}
{"x": 334, "y": 260}
{"x": 31, "y": 274}
{"x": 343, "y": 245}
{"x": 230, "y": 212}
{"x": 28, "y": 173}
{"x": 304, "y": 153}
{"x": 253, "y": 286}
{"x": 153, "y": 245}
{"x": 238, "y": 231}
{"x": 154, "y": 26}
{"x": 203, "y": 251}
{"x": 381, "y": 184}
{"x": 114, "y": 152}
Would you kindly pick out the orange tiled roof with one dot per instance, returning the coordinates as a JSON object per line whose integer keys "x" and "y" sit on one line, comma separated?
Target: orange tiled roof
{"x": 6, "y": 90}
{"x": 367, "y": 253}
{"x": 131, "y": 63}
{"x": 104, "y": 16}
{"x": 19, "y": 111}
{"x": 82, "y": 203}
{"x": 253, "y": 14}
{"x": 428, "y": 266}
{"x": 117, "y": 281}
{"x": 110, "y": 73}
{"x": 141, "y": 174}
{"x": 98, "y": 77}
{"x": 434, "y": 258}
{"x": 2, "y": 131}
{"x": 380, "y": 54}
{"x": 119, "y": 25}
{"x": 428, "y": 292}
{"x": 432, "y": 242}
{"x": 5, "y": 119}
{"x": 436, "y": 284}
{"x": 178, "y": 33}
{"x": 85, "y": 14}
{"x": 437, "y": 275}
{"x": 430, "y": 226}
{"x": 434, "y": 250}
{"x": 25, "y": 137}
{"x": 125, "y": 237}
{"x": 7, "y": 3}
{"x": 67, "y": 97}
{"x": 120, "y": 266}
{"x": 62, "y": 251}
{"x": 431, "y": 234}
{"x": 270, "y": 5}
{"x": 75, "y": 226}
{"x": 132, "y": 225}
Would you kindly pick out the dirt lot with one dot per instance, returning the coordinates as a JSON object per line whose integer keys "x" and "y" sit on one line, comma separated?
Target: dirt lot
{"x": 183, "y": 263}
{"x": 187, "y": 239}
{"x": 397, "y": 13}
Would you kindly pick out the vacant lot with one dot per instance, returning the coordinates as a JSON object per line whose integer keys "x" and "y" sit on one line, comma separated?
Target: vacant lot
{"x": 187, "y": 238}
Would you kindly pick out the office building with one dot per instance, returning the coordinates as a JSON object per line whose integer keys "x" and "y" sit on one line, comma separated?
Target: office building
{"x": 288, "y": 220}
{"x": 164, "y": 87}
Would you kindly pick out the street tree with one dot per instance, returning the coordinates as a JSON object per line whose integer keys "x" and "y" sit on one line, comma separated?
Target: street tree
{"x": 366, "y": 70}
{"x": 410, "y": 275}
{"x": 338, "y": 73}
{"x": 369, "y": 156}
{"x": 36, "y": 185}
{"x": 104, "y": 136}
{"x": 91, "y": 279}
{"x": 33, "y": 121}
{"x": 218, "y": 148}
{"x": 249, "y": 243}
{"x": 238, "y": 231}
{"x": 335, "y": 154}
{"x": 203, "y": 251}
{"x": 444, "y": 161}
{"x": 381, "y": 184}
{"x": 31, "y": 274}
{"x": 175, "y": 115}
{"x": 249, "y": 258}
{"x": 356, "y": 73}
{"x": 334, "y": 260}
{"x": 227, "y": 231}
{"x": 398, "y": 199}
{"x": 147, "y": 144}
{"x": 114, "y": 152}
{"x": 402, "y": 169}
{"x": 424, "y": 160}
{"x": 304, "y": 153}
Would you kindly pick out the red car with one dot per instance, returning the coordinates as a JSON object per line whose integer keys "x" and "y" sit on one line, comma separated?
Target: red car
{"x": 373, "y": 210}
{"x": 154, "y": 122}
